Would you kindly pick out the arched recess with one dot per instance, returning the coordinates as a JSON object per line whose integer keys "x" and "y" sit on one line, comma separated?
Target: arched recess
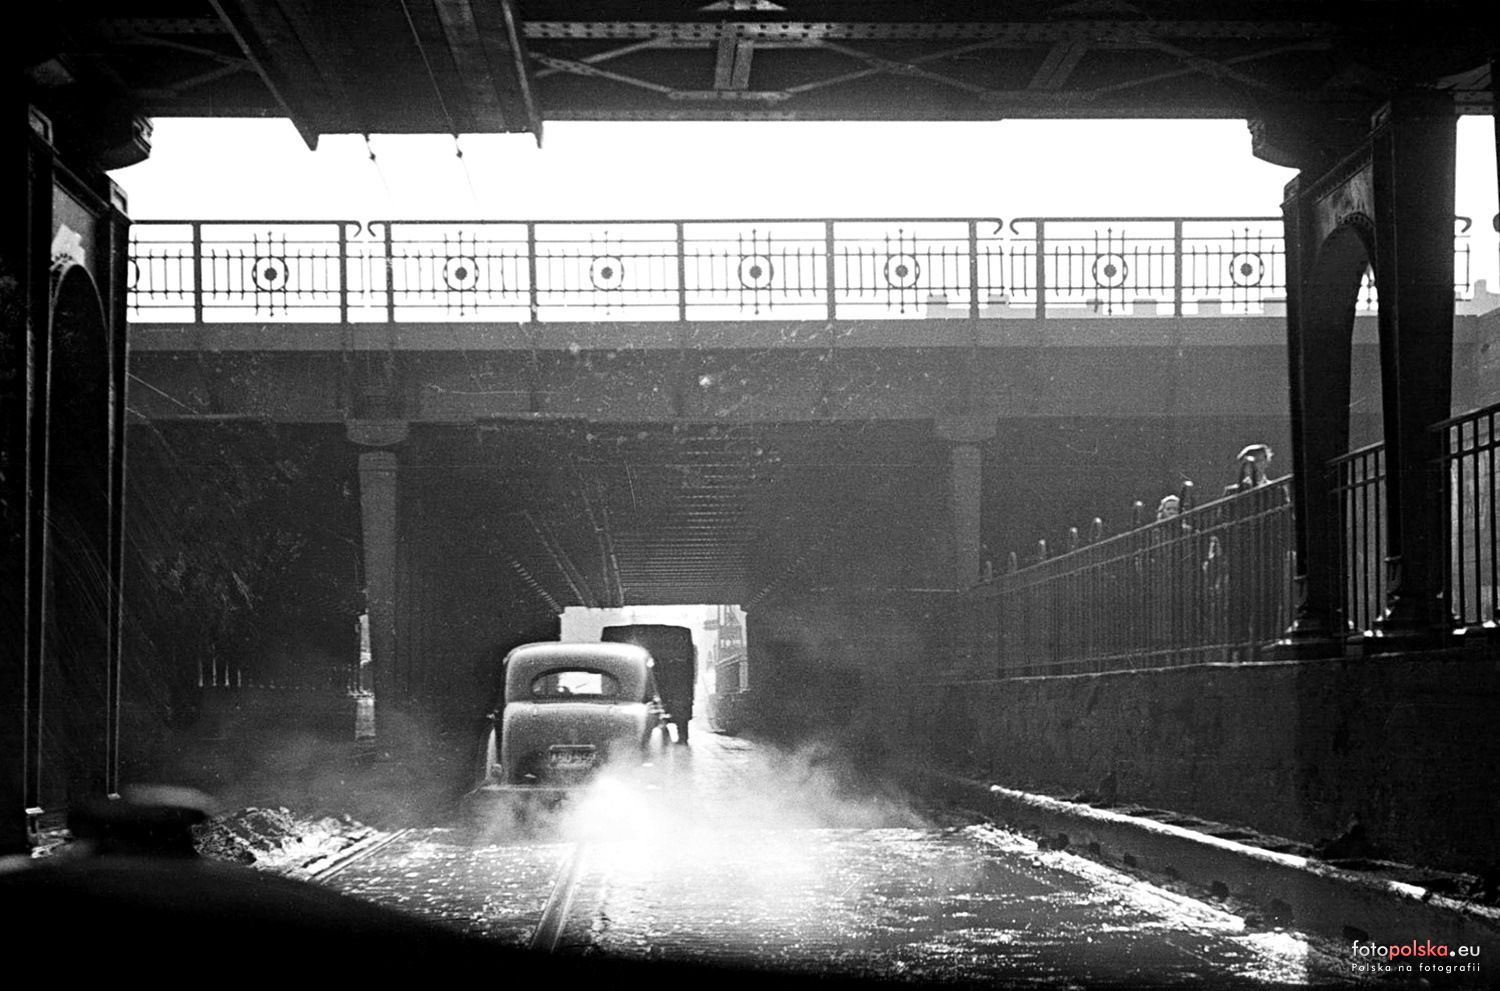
{"x": 73, "y": 704}
{"x": 1330, "y": 298}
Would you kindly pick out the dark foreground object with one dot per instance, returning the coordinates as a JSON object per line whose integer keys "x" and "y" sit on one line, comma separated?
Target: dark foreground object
{"x": 190, "y": 920}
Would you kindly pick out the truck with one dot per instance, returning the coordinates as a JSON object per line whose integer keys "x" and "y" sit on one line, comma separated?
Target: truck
{"x": 676, "y": 666}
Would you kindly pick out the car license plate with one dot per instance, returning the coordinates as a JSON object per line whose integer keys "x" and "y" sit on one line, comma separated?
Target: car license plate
{"x": 563, "y": 758}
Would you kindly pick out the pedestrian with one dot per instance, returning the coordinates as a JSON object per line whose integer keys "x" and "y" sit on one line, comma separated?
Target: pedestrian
{"x": 1246, "y": 480}
{"x": 1254, "y": 469}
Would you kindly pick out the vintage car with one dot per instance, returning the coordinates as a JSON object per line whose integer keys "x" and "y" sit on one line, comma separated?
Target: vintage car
{"x": 568, "y": 710}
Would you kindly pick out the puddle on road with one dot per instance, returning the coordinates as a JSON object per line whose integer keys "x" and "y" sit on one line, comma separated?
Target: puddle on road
{"x": 495, "y": 891}
{"x": 731, "y": 858}
{"x": 926, "y": 905}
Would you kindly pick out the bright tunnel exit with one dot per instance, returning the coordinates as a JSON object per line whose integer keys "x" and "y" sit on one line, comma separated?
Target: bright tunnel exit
{"x": 721, "y": 671}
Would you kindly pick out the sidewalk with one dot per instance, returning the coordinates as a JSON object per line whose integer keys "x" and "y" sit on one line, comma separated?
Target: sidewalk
{"x": 1381, "y": 904}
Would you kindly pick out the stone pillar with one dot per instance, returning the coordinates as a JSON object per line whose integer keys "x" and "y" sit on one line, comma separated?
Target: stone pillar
{"x": 1414, "y": 154}
{"x": 965, "y": 493}
{"x": 378, "y": 479}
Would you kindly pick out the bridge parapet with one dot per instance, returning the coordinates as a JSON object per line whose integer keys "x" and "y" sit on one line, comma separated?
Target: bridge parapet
{"x": 535, "y": 272}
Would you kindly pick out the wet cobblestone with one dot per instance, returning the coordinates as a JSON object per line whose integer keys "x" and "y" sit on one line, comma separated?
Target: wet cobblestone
{"x": 729, "y": 854}
{"x": 441, "y": 874}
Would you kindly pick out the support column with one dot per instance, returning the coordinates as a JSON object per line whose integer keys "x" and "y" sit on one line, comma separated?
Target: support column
{"x": 965, "y": 493}
{"x": 1413, "y": 154}
{"x": 378, "y": 479}
{"x": 116, "y": 241}
{"x": 26, "y": 187}
{"x": 1322, "y": 288}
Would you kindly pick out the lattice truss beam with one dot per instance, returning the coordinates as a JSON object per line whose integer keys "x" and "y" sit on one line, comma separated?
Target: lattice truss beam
{"x": 1062, "y": 63}
{"x": 996, "y": 66}
{"x": 503, "y": 65}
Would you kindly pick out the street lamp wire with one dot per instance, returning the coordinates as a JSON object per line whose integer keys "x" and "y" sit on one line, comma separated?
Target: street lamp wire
{"x": 390, "y": 201}
{"x": 437, "y": 91}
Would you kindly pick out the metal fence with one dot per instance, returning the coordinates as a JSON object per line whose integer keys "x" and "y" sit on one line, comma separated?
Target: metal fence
{"x": 1469, "y": 471}
{"x": 1359, "y": 492}
{"x": 1210, "y": 584}
{"x": 1215, "y": 583}
{"x": 330, "y": 675}
{"x": 345, "y": 271}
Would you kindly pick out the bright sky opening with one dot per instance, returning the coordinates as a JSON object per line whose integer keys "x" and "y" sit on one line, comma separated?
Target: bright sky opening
{"x": 261, "y": 170}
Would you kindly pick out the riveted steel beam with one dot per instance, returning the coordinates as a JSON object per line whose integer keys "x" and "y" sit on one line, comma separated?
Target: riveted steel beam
{"x": 1061, "y": 60}
{"x": 732, "y": 66}
{"x": 1020, "y": 31}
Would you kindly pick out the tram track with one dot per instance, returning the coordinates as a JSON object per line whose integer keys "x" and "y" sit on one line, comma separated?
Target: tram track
{"x": 544, "y": 936}
{"x": 549, "y": 928}
{"x": 363, "y": 850}
{"x": 930, "y": 900}
{"x": 356, "y": 853}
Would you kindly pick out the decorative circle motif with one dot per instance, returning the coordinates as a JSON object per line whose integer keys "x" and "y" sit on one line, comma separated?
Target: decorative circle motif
{"x": 1246, "y": 269}
{"x": 132, "y": 274}
{"x": 756, "y": 272}
{"x": 902, "y": 271}
{"x": 269, "y": 274}
{"x": 607, "y": 272}
{"x": 1110, "y": 271}
{"x": 461, "y": 273}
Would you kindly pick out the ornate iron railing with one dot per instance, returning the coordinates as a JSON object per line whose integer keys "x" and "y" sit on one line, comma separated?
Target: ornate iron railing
{"x": 1359, "y": 492}
{"x": 1215, "y": 583}
{"x": 1470, "y": 471}
{"x": 1210, "y": 584}
{"x": 345, "y": 271}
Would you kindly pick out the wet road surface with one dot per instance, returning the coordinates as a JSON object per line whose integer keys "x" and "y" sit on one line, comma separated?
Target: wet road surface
{"x": 731, "y": 854}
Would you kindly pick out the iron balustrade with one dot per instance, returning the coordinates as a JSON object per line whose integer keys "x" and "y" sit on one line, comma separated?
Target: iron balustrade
{"x": 387, "y": 271}
{"x": 1469, "y": 470}
{"x": 1215, "y": 583}
{"x": 194, "y": 272}
{"x": 1211, "y": 584}
{"x": 1359, "y": 492}
{"x": 339, "y": 677}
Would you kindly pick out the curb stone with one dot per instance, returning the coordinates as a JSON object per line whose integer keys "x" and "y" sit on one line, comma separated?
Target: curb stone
{"x": 1298, "y": 891}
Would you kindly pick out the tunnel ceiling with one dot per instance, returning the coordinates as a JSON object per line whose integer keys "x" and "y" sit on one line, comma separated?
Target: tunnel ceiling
{"x": 451, "y": 66}
{"x": 655, "y": 514}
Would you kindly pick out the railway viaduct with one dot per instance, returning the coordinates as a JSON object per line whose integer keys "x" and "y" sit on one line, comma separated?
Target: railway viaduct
{"x": 842, "y": 426}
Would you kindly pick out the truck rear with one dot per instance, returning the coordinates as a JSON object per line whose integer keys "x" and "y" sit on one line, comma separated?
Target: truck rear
{"x": 676, "y": 665}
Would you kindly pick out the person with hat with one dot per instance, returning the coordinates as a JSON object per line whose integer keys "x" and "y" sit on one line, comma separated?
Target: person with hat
{"x": 1253, "y": 461}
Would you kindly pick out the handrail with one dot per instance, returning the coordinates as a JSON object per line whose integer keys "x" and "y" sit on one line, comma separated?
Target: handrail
{"x": 1180, "y": 521}
{"x": 1356, "y": 454}
{"x": 1209, "y": 584}
{"x": 1473, "y": 414}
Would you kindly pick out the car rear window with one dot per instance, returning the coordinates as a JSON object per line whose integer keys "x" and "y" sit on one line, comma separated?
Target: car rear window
{"x": 575, "y": 683}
